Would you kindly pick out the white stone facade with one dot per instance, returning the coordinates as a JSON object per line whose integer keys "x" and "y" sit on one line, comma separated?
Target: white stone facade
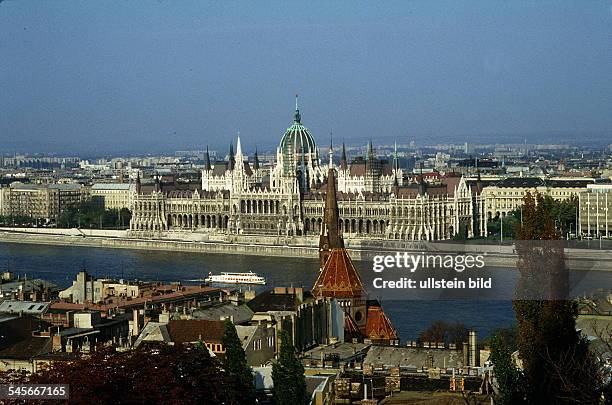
{"x": 239, "y": 197}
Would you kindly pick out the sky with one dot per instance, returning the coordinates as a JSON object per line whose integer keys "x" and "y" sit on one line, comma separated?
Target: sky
{"x": 153, "y": 76}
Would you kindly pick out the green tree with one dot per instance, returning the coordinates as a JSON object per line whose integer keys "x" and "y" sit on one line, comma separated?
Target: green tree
{"x": 508, "y": 377}
{"x": 288, "y": 375}
{"x": 511, "y": 223}
{"x": 91, "y": 214}
{"x": 557, "y": 365}
{"x": 235, "y": 364}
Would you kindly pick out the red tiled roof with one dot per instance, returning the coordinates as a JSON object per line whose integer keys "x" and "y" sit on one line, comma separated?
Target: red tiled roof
{"x": 192, "y": 330}
{"x": 339, "y": 277}
{"x": 378, "y": 325}
{"x": 157, "y": 294}
{"x": 67, "y": 306}
{"x": 451, "y": 183}
{"x": 406, "y": 192}
{"x": 358, "y": 169}
{"x": 439, "y": 190}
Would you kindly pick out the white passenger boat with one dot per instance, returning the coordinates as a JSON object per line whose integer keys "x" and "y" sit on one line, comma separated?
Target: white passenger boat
{"x": 235, "y": 278}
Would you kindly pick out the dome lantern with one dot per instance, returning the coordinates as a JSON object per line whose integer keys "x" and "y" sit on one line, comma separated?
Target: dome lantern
{"x": 297, "y": 145}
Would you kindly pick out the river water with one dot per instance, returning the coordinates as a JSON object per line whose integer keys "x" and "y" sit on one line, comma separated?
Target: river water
{"x": 410, "y": 312}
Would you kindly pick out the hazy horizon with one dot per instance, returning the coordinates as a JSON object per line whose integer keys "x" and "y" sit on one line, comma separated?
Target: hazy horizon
{"x": 153, "y": 76}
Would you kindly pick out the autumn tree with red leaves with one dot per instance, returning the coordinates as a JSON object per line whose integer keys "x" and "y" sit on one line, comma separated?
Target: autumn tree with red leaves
{"x": 151, "y": 374}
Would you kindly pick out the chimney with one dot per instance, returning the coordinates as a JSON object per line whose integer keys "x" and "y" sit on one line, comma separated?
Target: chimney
{"x": 57, "y": 343}
{"x": 299, "y": 294}
{"x": 473, "y": 345}
{"x": 135, "y": 323}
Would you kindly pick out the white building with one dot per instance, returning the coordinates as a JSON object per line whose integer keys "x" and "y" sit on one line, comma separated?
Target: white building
{"x": 375, "y": 197}
{"x": 114, "y": 195}
{"x": 595, "y": 218}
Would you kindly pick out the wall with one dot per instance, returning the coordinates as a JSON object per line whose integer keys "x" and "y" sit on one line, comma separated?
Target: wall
{"x": 497, "y": 256}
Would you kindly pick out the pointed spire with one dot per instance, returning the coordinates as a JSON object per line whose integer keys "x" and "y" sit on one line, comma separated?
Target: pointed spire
{"x": 256, "y": 160}
{"x": 238, "y": 146}
{"x": 297, "y": 117}
{"x": 232, "y": 161}
{"x": 421, "y": 181}
{"x": 157, "y": 187}
{"x": 370, "y": 152}
{"x": 343, "y": 162}
{"x": 330, "y": 233}
{"x": 207, "y": 160}
{"x": 478, "y": 181}
{"x": 138, "y": 184}
{"x": 370, "y": 160}
{"x": 331, "y": 150}
{"x": 395, "y": 159}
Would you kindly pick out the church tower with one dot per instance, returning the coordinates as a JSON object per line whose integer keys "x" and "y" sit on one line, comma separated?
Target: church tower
{"x": 330, "y": 237}
{"x": 339, "y": 278}
{"x": 372, "y": 170}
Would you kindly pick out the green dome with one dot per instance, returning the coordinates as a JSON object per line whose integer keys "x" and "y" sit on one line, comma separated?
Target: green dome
{"x": 297, "y": 142}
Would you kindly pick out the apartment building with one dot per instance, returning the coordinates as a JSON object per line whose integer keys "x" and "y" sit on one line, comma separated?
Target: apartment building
{"x": 595, "y": 212}
{"x": 114, "y": 196}
{"x": 46, "y": 202}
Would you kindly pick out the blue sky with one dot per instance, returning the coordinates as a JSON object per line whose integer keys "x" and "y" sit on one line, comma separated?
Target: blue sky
{"x": 149, "y": 76}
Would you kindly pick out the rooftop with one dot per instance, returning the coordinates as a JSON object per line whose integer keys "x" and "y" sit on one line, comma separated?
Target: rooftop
{"x": 344, "y": 350}
{"x": 413, "y": 357}
{"x": 26, "y": 307}
{"x": 112, "y": 186}
{"x": 339, "y": 277}
{"x": 238, "y": 313}
{"x": 271, "y": 301}
{"x": 193, "y": 330}
{"x": 159, "y": 293}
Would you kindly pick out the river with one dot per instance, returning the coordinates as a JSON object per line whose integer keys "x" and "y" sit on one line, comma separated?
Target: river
{"x": 410, "y": 312}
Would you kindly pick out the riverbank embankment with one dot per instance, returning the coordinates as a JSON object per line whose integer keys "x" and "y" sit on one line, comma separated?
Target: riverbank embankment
{"x": 279, "y": 246}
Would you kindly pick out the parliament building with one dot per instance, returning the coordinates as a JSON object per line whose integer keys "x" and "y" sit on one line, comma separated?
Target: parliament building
{"x": 376, "y": 198}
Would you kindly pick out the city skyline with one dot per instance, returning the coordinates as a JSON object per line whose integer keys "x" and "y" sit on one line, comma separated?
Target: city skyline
{"x": 285, "y": 203}
{"x": 120, "y": 78}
